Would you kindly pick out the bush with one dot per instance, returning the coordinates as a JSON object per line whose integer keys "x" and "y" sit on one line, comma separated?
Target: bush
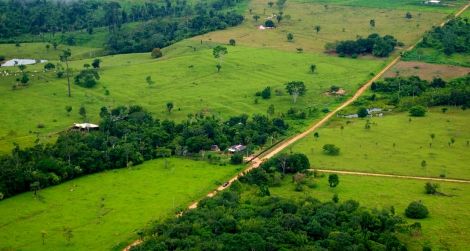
{"x": 156, "y": 53}
{"x": 417, "y": 111}
{"x": 236, "y": 159}
{"x": 2, "y": 58}
{"x": 48, "y": 66}
{"x": 87, "y": 78}
{"x": 232, "y": 42}
{"x": 431, "y": 188}
{"x": 266, "y": 93}
{"x": 269, "y": 23}
{"x": 416, "y": 210}
{"x": 362, "y": 112}
{"x": 330, "y": 149}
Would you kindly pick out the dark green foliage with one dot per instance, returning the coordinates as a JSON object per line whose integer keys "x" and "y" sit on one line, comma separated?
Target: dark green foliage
{"x": 156, "y": 53}
{"x": 417, "y": 111}
{"x": 236, "y": 159}
{"x": 330, "y": 149}
{"x": 454, "y": 37}
{"x": 126, "y": 135}
{"x": 431, "y": 188}
{"x": 362, "y": 112}
{"x": 48, "y": 66}
{"x": 232, "y": 42}
{"x": 374, "y": 44}
{"x": 293, "y": 163}
{"x": 269, "y": 23}
{"x": 296, "y": 89}
{"x": 333, "y": 180}
{"x": 2, "y": 58}
{"x": 87, "y": 78}
{"x": 416, "y": 210}
{"x": 227, "y": 222}
{"x": 266, "y": 93}
{"x": 96, "y": 63}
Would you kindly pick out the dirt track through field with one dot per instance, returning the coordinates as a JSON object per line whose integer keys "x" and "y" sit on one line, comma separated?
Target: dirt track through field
{"x": 283, "y": 145}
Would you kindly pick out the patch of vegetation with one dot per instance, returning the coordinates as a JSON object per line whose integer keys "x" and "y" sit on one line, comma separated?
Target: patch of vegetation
{"x": 374, "y": 44}
{"x": 416, "y": 210}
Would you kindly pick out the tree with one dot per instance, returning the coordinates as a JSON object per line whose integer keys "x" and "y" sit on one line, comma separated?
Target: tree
{"x": 87, "y": 78}
{"x": 317, "y": 28}
{"x": 362, "y": 112}
{"x": 43, "y": 237}
{"x": 232, "y": 42}
{"x": 316, "y": 135}
{"x": 219, "y": 52}
{"x": 296, "y": 89}
{"x": 333, "y": 180}
{"x": 86, "y": 65}
{"x": 156, "y": 53}
{"x": 236, "y": 159}
{"x": 279, "y": 18}
{"x": 22, "y": 67}
{"x": 68, "y": 109}
{"x": 64, "y": 57}
{"x": 408, "y": 15}
{"x": 24, "y": 79}
{"x": 48, "y": 46}
{"x": 269, "y": 23}
{"x": 271, "y": 110}
{"x": 330, "y": 149}
{"x": 82, "y": 112}
{"x": 256, "y": 17}
{"x": 266, "y": 93}
{"x": 68, "y": 234}
{"x": 335, "y": 198}
{"x": 96, "y": 63}
{"x": 372, "y": 23}
{"x": 417, "y": 111}
{"x": 431, "y": 188}
{"x": 290, "y": 37}
{"x": 149, "y": 80}
{"x": 313, "y": 67}
{"x": 416, "y": 210}
{"x": 169, "y": 107}
{"x": 270, "y": 4}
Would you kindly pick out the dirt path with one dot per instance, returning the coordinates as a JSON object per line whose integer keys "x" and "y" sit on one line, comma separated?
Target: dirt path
{"x": 283, "y": 145}
{"x": 393, "y": 176}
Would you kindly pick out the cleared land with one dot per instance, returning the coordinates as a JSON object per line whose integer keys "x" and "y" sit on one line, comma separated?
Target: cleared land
{"x": 106, "y": 209}
{"x": 430, "y": 55}
{"x": 188, "y": 78}
{"x": 445, "y": 229}
{"x": 39, "y": 51}
{"x": 394, "y": 145}
{"x": 427, "y": 71}
{"x": 337, "y": 23}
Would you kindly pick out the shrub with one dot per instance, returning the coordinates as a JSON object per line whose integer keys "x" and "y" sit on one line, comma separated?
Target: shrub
{"x": 266, "y": 93}
{"x": 156, "y": 53}
{"x": 330, "y": 149}
{"x": 269, "y": 23}
{"x": 431, "y": 188}
{"x": 417, "y": 111}
{"x": 2, "y": 58}
{"x": 232, "y": 42}
{"x": 236, "y": 159}
{"x": 87, "y": 78}
{"x": 416, "y": 210}
{"x": 48, "y": 66}
{"x": 362, "y": 112}
{"x": 333, "y": 180}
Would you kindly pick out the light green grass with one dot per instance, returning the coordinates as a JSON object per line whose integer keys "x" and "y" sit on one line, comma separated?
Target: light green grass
{"x": 337, "y": 23}
{"x": 39, "y": 51}
{"x": 448, "y": 223}
{"x": 372, "y": 150}
{"x": 199, "y": 89}
{"x": 131, "y": 198}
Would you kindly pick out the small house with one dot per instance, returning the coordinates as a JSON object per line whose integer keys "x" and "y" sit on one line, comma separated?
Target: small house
{"x": 236, "y": 148}
{"x": 85, "y": 126}
{"x": 432, "y": 2}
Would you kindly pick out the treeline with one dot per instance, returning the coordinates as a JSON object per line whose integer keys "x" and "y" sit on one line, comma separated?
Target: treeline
{"x": 233, "y": 221}
{"x": 374, "y": 44}
{"x": 127, "y": 136}
{"x": 415, "y": 91}
{"x": 454, "y": 37}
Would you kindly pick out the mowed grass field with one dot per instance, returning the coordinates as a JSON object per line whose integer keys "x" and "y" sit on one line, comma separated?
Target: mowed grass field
{"x": 373, "y": 150}
{"x": 105, "y": 210}
{"x": 337, "y": 22}
{"x": 185, "y": 76}
{"x": 446, "y": 228}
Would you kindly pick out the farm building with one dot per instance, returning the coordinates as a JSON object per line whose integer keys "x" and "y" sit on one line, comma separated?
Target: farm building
{"x": 432, "y": 2}
{"x": 236, "y": 148}
{"x": 85, "y": 126}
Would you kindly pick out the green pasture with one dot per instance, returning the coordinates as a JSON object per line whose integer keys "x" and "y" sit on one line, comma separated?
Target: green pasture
{"x": 39, "y": 51}
{"x": 187, "y": 76}
{"x": 336, "y": 23}
{"x": 396, "y": 144}
{"x": 105, "y": 210}
{"x": 430, "y": 55}
{"x": 448, "y": 223}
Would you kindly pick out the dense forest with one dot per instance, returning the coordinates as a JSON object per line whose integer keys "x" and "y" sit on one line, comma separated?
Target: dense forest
{"x": 160, "y": 24}
{"x": 242, "y": 219}
{"x": 374, "y": 44}
{"x": 127, "y": 136}
{"x": 454, "y": 37}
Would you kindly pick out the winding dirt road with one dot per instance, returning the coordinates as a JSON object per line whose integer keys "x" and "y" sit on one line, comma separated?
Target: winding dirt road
{"x": 255, "y": 163}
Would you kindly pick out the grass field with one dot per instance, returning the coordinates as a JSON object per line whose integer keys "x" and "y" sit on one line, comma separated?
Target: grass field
{"x": 372, "y": 150}
{"x": 430, "y": 55}
{"x": 104, "y": 210}
{"x": 446, "y": 228}
{"x": 192, "y": 89}
{"x": 39, "y": 51}
{"x": 337, "y": 23}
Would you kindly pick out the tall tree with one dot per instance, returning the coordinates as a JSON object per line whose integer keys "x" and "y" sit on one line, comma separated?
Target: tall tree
{"x": 296, "y": 89}
{"x": 66, "y": 54}
{"x": 219, "y": 52}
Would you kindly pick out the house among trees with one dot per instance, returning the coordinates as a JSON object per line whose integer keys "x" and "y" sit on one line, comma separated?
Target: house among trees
{"x": 85, "y": 126}
{"x": 215, "y": 148}
{"x": 236, "y": 148}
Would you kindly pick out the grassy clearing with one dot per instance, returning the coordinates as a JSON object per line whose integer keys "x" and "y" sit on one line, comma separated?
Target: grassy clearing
{"x": 131, "y": 198}
{"x": 448, "y": 6}
{"x": 336, "y": 22}
{"x": 39, "y": 51}
{"x": 446, "y": 228}
{"x": 430, "y": 55}
{"x": 192, "y": 89}
{"x": 373, "y": 151}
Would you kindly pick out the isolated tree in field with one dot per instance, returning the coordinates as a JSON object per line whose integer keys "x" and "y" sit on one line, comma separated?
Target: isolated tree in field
{"x": 333, "y": 180}
{"x": 296, "y": 89}
{"x": 87, "y": 78}
{"x": 156, "y": 53}
{"x": 316, "y": 135}
{"x": 317, "y": 28}
{"x": 232, "y": 42}
{"x": 416, "y": 210}
{"x": 290, "y": 37}
{"x": 271, "y": 110}
{"x": 417, "y": 111}
{"x": 24, "y": 79}
{"x": 313, "y": 67}
{"x": 149, "y": 80}
{"x": 68, "y": 234}
{"x": 269, "y": 23}
{"x": 22, "y": 67}
{"x": 169, "y": 107}
{"x": 433, "y": 136}
{"x": 431, "y": 188}
{"x": 66, "y": 54}
{"x": 48, "y": 46}
{"x": 372, "y": 23}
{"x": 68, "y": 109}
{"x": 82, "y": 112}
{"x": 270, "y": 4}
{"x": 335, "y": 198}
{"x": 279, "y": 18}
{"x": 408, "y": 15}
{"x": 266, "y": 93}
{"x": 330, "y": 149}
{"x": 256, "y": 17}
{"x": 86, "y": 66}
{"x": 96, "y": 63}
{"x": 219, "y": 52}
{"x": 423, "y": 164}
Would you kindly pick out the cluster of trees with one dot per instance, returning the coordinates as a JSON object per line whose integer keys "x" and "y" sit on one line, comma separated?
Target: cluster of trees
{"x": 413, "y": 91}
{"x": 127, "y": 136}
{"x": 264, "y": 222}
{"x": 454, "y": 37}
{"x": 374, "y": 44}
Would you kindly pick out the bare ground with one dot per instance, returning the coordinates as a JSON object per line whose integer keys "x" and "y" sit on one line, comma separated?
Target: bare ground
{"x": 427, "y": 71}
